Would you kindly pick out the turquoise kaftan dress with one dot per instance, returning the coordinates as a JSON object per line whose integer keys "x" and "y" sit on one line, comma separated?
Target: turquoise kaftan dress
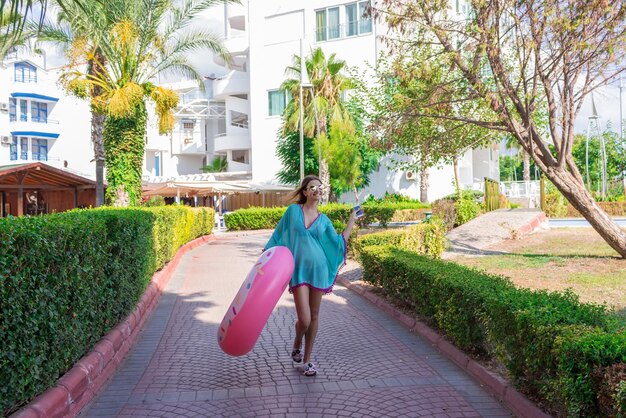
{"x": 318, "y": 250}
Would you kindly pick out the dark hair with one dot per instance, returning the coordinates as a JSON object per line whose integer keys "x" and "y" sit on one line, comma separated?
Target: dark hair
{"x": 298, "y": 194}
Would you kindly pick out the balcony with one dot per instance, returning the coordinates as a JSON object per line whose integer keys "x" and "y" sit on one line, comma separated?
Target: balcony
{"x": 229, "y": 142}
{"x": 235, "y": 82}
{"x": 46, "y": 128}
{"x": 237, "y": 16}
{"x": 345, "y": 31}
{"x": 41, "y": 92}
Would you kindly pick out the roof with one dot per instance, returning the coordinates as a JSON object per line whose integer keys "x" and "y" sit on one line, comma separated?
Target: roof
{"x": 40, "y": 174}
{"x": 206, "y": 188}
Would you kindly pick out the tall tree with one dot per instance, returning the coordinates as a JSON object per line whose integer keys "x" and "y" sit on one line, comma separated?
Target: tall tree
{"x": 405, "y": 93}
{"x": 326, "y": 109}
{"x": 560, "y": 50}
{"x": 351, "y": 159}
{"x": 14, "y": 15}
{"x": 142, "y": 40}
{"x": 76, "y": 37}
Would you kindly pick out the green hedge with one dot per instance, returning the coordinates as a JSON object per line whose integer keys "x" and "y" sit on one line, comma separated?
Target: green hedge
{"x": 267, "y": 218}
{"x": 426, "y": 239}
{"x": 67, "y": 279}
{"x": 551, "y": 343}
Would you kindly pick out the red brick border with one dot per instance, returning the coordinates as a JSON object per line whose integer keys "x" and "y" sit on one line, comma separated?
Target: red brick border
{"x": 496, "y": 384}
{"x": 532, "y": 225}
{"x": 81, "y": 383}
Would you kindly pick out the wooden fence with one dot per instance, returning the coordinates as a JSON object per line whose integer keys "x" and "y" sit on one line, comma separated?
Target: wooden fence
{"x": 492, "y": 194}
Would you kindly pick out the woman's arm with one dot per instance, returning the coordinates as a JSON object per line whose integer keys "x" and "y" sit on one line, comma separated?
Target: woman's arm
{"x": 346, "y": 232}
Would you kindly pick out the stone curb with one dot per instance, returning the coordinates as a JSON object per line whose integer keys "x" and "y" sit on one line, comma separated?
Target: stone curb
{"x": 76, "y": 388}
{"x": 496, "y": 384}
{"x": 532, "y": 225}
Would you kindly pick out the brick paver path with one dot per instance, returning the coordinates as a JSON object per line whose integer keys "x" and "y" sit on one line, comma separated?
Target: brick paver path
{"x": 370, "y": 365}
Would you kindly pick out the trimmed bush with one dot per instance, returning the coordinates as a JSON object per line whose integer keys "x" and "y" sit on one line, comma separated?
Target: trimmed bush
{"x": 268, "y": 218}
{"x": 253, "y": 218}
{"x": 66, "y": 279}
{"x": 426, "y": 239}
{"x": 551, "y": 343}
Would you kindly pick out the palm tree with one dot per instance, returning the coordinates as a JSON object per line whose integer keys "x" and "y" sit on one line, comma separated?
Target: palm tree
{"x": 74, "y": 35}
{"x": 137, "y": 41}
{"x": 328, "y": 85}
{"x": 13, "y": 17}
{"x": 218, "y": 165}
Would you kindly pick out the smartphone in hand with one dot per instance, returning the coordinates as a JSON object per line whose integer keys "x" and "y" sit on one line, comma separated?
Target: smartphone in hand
{"x": 359, "y": 211}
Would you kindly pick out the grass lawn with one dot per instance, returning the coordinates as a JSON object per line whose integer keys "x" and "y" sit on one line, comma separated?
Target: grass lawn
{"x": 558, "y": 259}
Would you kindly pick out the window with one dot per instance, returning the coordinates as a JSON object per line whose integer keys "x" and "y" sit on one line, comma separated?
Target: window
{"x": 40, "y": 149}
{"x": 365, "y": 18}
{"x": 23, "y": 148}
{"x": 352, "y": 20}
{"x": 25, "y": 73}
{"x": 241, "y": 156}
{"x": 320, "y": 25}
{"x": 39, "y": 112}
{"x": 23, "y": 110}
{"x": 13, "y": 148}
{"x": 327, "y": 24}
{"x": 157, "y": 164}
{"x": 277, "y": 101}
{"x": 188, "y": 125}
{"x": 358, "y": 18}
{"x": 12, "y": 110}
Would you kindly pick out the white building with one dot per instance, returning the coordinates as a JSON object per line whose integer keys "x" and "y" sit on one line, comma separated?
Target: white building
{"x": 239, "y": 117}
{"x": 38, "y": 121}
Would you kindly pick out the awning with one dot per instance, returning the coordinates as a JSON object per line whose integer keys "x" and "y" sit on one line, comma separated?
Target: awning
{"x": 35, "y": 133}
{"x": 35, "y": 96}
{"x": 207, "y": 188}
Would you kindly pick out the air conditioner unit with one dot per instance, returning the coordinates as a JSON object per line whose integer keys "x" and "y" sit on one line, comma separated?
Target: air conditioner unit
{"x": 5, "y": 139}
{"x": 410, "y": 175}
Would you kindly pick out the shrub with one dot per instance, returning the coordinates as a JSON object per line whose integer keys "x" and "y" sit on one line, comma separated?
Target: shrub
{"x": 555, "y": 204}
{"x": 427, "y": 239}
{"x": 466, "y": 210}
{"x": 470, "y": 194}
{"x": 551, "y": 343}
{"x": 66, "y": 279}
{"x": 268, "y": 218}
{"x": 155, "y": 201}
{"x": 445, "y": 210}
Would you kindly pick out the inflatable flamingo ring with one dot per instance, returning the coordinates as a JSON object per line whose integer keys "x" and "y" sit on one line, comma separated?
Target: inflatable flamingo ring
{"x": 255, "y": 300}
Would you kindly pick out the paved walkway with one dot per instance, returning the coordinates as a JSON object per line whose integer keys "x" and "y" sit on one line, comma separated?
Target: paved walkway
{"x": 474, "y": 237}
{"x": 370, "y": 365}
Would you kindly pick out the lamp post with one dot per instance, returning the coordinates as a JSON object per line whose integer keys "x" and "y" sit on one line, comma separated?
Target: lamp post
{"x": 304, "y": 82}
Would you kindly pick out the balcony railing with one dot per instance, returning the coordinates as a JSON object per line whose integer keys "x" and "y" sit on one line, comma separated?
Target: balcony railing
{"x": 346, "y": 30}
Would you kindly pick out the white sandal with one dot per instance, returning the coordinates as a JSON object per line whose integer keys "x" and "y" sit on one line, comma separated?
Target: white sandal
{"x": 297, "y": 355}
{"x": 310, "y": 369}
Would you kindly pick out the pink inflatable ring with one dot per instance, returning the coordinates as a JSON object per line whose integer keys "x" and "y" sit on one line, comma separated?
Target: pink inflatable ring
{"x": 258, "y": 295}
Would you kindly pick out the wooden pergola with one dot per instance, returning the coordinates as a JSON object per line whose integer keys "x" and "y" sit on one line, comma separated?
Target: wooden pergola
{"x": 36, "y": 188}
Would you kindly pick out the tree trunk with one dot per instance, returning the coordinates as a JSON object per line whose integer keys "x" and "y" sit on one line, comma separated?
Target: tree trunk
{"x": 325, "y": 179}
{"x": 97, "y": 126}
{"x": 124, "y": 147}
{"x": 576, "y": 193}
{"x": 526, "y": 159}
{"x": 457, "y": 176}
{"x": 423, "y": 184}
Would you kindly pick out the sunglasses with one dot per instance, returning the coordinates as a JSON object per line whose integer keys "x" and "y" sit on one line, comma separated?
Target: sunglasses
{"x": 314, "y": 189}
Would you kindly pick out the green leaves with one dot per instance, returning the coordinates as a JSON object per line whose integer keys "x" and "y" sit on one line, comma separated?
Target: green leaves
{"x": 66, "y": 279}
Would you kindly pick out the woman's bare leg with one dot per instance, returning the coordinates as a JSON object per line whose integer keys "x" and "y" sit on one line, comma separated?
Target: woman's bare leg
{"x": 315, "y": 300}
{"x": 301, "y": 299}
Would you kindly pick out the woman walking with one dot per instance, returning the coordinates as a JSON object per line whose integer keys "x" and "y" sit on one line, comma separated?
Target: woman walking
{"x": 318, "y": 252}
